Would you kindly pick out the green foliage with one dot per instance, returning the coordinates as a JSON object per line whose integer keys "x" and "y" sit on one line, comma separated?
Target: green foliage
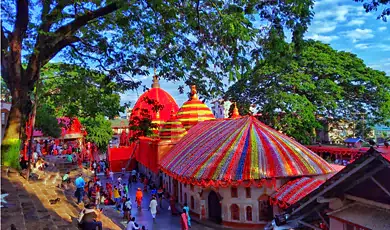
{"x": 5, "y": 93}
{"x": 12, "y": 154}
{"x": 320, "y": 81}
{"x": 198, "y": 42}
{"x": 99, "y": 130}
{"x": 74, "y": 91}
{"x": 375, "y": 5}
{"x": 46, "y": 121}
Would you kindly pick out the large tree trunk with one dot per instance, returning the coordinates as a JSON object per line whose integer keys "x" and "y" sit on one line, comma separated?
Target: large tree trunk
{"x": 13, "y": 133}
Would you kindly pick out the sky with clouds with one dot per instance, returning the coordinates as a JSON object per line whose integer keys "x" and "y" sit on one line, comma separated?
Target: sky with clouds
{"x": 343, "y": 24}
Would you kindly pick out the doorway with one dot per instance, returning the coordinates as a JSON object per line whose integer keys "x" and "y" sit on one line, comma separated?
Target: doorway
{"x": 175, "y": 189}
{"x": 215, "y": 210}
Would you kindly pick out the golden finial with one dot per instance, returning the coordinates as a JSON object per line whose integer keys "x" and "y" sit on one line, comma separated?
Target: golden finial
{"x": 194, "y": 94}
{"x": 235, "y": 113}
{"x": 156, "y": 83}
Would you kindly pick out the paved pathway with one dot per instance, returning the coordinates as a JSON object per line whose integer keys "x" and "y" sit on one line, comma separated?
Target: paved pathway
{"x": 164, "y": 219}
{"x": 27, "y": 204}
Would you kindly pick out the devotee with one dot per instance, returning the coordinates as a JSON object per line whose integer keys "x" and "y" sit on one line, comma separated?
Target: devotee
{"x": 117, "y": 197}
{"x": 38, "y": 149}
{"x": 134, "y": 175}
{"x": 127, "y": 209}
{"x": 97, "y": 195}
{"x": 112, "y": 176}
{"x": 138, "y": 197}
{"x": 120, "y": 188}
{"x": 126, "y": 190}
{"x": 129, "y": 182}
{"x": 109, "y": 190}
{"x": 160, "y": 193}
{"x": 80, "y": 183}
{"x": 172, "y": 202}
{"x": 65, "y": 180}
{"x": 187, "y": 210}
{"x": 89, "y": 218}
{"x": 132, "y": 225}
{"x": 153, "y": 208}
{"x": 184, "y": 220}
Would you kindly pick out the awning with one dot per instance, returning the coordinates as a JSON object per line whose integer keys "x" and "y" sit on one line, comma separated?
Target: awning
{"x": 293, "y": 191}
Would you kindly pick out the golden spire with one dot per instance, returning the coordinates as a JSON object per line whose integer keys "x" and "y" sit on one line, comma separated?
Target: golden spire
{"x": 158, "y": 115}
{"x": 194, "y": 94}
{"x": 235, "y": 113}
{"x": 156, "y": 83}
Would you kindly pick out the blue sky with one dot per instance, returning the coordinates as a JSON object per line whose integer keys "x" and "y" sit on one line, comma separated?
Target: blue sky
{"x": 343, "y": 24}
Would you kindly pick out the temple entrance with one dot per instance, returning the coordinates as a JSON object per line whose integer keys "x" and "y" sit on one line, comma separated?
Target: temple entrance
{"x": 215, "y": 211}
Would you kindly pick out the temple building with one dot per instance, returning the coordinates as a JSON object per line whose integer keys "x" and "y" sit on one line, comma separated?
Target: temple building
{"x": 227, "y": 170}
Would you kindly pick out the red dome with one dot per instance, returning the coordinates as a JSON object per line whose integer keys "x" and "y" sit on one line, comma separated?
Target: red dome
{"x": 161, "y": 97}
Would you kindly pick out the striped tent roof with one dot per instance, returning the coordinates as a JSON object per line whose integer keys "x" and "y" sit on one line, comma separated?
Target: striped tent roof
{"x": 194, "y": 111}
{"x": 293, "y": 191}
{"x": 172, "y": 130}
{"x": 232, "y": 151}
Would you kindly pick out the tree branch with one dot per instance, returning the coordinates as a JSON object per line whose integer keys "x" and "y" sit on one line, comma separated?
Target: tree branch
{"x": 80, "y": 21}
{"x": 46, "y": 55}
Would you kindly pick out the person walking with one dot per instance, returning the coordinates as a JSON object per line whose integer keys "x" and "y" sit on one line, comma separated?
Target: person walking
{"x": 138, "y": 197}
{"x": 184, "y": 220}
{"x": 132, "y": 225}
{"x": 128, "y": 206}
{"x": 160, "y": 193}
{"x": 153, "y": 208}
{"x": 187, "y": 209}
{"x": 117, "y": 196}
{"x": 126, "y": 190}
{"x": 80, "y": 183}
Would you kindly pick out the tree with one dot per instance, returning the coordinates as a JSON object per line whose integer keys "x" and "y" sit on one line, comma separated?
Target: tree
{"x": 47, "y": 122}
{"x": 195, "y": 41}
{"x": 74, "y": 91}
{"x": 319, "y": 82}
{"x": 99, "y": 130}
{"x": 373, "y": 5}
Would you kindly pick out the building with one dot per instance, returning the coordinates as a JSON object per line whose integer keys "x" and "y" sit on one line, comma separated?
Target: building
{"x": 227, "y": 169}
{"x": 5, "y": 110}
{"x": 221, "y": 108}
{"x": 381, "y": 133}
{"x": 357, "y": 197}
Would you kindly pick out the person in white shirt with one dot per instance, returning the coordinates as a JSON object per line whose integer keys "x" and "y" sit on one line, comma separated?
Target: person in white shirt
{"x": 153, "y": 208}
{"x": 132, "y": 225}
{"x": 111, "y": 175}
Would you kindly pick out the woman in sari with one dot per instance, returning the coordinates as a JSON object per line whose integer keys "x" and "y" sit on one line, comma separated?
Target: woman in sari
{"x": 187, "y": 210}
{"x": 184, "y": 220}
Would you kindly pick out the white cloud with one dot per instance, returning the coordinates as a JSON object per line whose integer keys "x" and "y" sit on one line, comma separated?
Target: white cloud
{"x": 383, "y": 28}
{"x": 359, "y": 34}
{"x": 320, "y": 27}
{"x": 322, "y": 38}
{"x": 339, "y": 14}
{"x": 362, "y": 46}
{"x": 355, "y": 22}
{"x": 383, "y": 47}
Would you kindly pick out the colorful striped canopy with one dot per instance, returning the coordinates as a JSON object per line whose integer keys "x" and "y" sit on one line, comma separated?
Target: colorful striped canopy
{"x": 194, "y": 111}
{"x": 172, "y": 130}
{"x": 227, "y": 151}
{"x": 295, "y": 190}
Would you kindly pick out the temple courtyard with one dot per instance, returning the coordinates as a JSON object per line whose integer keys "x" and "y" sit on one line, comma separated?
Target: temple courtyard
{"x": 25, "y": 204}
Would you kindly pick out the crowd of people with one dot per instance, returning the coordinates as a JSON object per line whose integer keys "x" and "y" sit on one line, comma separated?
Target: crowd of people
{"x": 116, "y": 193}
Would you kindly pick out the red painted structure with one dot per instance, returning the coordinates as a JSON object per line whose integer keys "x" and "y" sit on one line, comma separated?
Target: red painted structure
{"x": 339, "y": 152}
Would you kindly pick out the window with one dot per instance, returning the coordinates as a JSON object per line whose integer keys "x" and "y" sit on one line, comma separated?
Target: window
{"x": 185, "y": 198}
{"x": 234, "y": 192}
{"x": 192, "y": 203}
{"x": 192, "y": 187}
{"x": 248, "y": 211}
{"x": 265, "y": 209}
{"x": 248, "y": 192}
{"x": 235, "y": 212}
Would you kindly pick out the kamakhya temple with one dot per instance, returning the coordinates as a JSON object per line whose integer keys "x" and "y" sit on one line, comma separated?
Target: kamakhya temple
{"x": 237, "y": 172}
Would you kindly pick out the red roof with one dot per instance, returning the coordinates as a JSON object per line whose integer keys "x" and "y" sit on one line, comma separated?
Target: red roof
{"x": 69, "y": 131}
{"x": 161, "y": 97}
{"x": 293, "y": 191}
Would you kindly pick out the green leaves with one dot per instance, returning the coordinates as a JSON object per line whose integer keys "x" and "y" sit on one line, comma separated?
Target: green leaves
{"x": 99, "y": 130}
{"x": 319, "y": 82}
{"x": 46, "y": 121}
